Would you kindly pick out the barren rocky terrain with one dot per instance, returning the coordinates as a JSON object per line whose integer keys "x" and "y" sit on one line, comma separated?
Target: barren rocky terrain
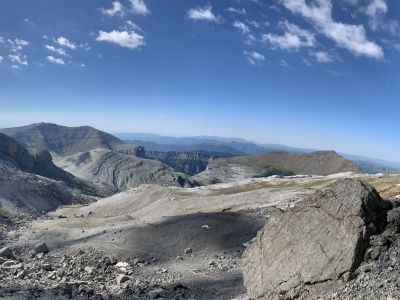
{"x": 161, "y": 242}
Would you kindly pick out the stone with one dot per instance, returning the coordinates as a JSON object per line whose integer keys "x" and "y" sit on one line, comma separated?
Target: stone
{"x": 307, "y": 249}
{"x": 393, "y": 216}
{"x": 22, "y": 274}
{"x": 109, "y": 260}
{"x": 47, "y": 267}
{"x": 6, "y": 252}
{"x": 376, "y": 251}
{"x": 121, "y": 279}
{"x": 89, "y": 270}
{"x": 41, "y": 248}
{"x": 153, "y": 294}
{"x": 379, "y": 241}
{"x": 122, "y": 264}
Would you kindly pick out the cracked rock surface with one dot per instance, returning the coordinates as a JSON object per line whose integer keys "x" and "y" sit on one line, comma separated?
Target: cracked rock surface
{"x": 308, "y": 249}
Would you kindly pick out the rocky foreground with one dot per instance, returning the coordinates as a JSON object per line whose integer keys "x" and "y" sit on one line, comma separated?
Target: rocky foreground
{"x": 153, "y": 242}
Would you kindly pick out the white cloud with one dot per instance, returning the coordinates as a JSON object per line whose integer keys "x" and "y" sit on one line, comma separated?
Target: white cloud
{"x": 19, "y": 59}
{"x": 117, "y": 9}
{"x": 284, "y": 64}
{"x": 375, "y": 10}
{"x": 202, "y": 14}
{"x": 85, "y": 46}
{"x": 1, "y": 58}
{"x": 17, "y": 44}
{"x": 239, "y": 11}
{"x": 21, "y": 42}
{"x": 293, "y": 38}
{"x": 55, "y": 60}
{"x": 139, "y": 7}
{"x": 242, "y": 27}
{"x": 254, "y": 58}
{"x": 1, "y": 39}
{"x": 323, "y": 57}
{"x": 347, "y": 36}
{"x": 64, "y": 42}
{"x": 257, "y": 24}
{"x": 132, "y": 26}
{"x": 127, "y": 39}
{"x": 59, "y": 51}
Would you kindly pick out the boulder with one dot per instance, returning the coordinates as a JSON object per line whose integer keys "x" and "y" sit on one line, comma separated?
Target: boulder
{"x": 307, "y": 250}
{"x": 121, "y": 279}
{"x": 41, "y": 248}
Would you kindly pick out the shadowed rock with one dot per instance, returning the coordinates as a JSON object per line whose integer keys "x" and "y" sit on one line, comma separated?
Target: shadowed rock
{"x": 306, "y": 250}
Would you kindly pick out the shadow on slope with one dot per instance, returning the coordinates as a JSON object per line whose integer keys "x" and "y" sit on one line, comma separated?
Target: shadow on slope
{"x": 168, "y": 239}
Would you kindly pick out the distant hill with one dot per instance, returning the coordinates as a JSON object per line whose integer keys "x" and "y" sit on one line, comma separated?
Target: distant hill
{"x": 62, "y": 140}
{"x": 373, "y": 165}
{"x": 235, "y": 146}
{"x": 275, "y": 163}
{"x": 214, "y": 147}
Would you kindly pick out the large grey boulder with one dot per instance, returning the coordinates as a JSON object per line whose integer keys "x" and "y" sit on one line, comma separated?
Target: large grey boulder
{"x": 306, "y": 250}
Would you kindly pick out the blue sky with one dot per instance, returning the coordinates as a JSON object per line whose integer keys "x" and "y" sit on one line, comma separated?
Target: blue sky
{"x": 320, "y": 74}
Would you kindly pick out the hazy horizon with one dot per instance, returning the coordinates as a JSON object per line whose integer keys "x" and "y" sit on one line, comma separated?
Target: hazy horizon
{"x": 311, "y": 74}
{"x": 259, "y": 142}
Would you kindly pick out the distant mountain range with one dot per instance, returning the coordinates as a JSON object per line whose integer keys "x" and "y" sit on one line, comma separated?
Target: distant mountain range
{"x": 239, "y": 146}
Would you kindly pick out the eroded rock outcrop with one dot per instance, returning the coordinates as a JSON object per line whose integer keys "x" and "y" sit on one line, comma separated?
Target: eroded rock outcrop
{"x": 308, "y": 249}
{"x": 121, "y": 171}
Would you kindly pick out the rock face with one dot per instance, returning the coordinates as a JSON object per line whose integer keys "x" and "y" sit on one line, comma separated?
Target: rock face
{"x": 14, "y": 155}
{"x": 30, "y": 182}
{"x": 62, "y": 140}
{"x": 188, "y": 162}
{"x": 307, "y": 249}
{"x": 121, "y": 171}
{"x": 275, "y": 163}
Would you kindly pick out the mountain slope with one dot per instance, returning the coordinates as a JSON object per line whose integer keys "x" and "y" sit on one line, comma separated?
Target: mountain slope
{"x": 275, "y": 163}
{"x": 31, "y": 183}
{"x": 121, "y": 171}
{"x": 39, "y": 162}
{"x": 62, "y": 140}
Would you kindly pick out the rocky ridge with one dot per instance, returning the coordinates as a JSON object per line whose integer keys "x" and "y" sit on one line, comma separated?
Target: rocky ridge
{"x": 275, "y": 163}
{"x": 121, "y": 171}
{"x": 61, "y": 140}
